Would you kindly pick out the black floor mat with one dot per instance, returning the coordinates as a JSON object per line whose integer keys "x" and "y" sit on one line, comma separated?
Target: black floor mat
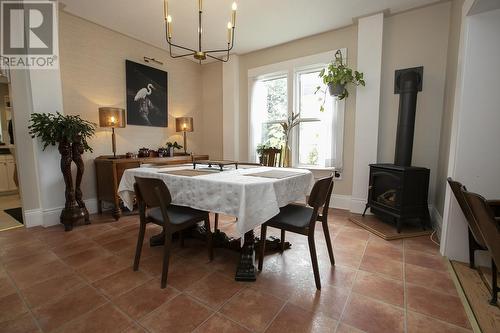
{"x": 16, "y": 213}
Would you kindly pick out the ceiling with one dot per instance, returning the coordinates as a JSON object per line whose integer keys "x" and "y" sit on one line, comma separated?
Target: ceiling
{"x": 259, "y": 23}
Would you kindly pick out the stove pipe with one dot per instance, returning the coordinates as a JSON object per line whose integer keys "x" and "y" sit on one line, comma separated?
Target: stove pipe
{"x": 408, "y": 82}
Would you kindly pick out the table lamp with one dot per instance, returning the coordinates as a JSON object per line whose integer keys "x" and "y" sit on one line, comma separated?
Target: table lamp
{"x": 114, "y": 118}
{"x": 184, "y": 124}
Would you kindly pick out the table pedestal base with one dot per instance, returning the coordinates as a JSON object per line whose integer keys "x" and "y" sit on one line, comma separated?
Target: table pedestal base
{"x": 246, "y": 268}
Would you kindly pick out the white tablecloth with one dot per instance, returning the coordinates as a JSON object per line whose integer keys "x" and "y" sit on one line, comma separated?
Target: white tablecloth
{"x": 254, "y": 200}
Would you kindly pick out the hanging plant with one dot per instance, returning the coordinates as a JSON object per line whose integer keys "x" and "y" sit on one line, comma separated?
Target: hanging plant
{"x": 337, "y": 76}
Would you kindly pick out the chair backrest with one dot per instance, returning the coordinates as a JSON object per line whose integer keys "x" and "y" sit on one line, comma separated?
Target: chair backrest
{"x": 320, "y": 192}
{"x": 151, "y": 193}
{"x": 326, "y": 206}
{"x": 271, "y": 157}
{"x": 488, "y": 226}
{"x": 456, "y": 188}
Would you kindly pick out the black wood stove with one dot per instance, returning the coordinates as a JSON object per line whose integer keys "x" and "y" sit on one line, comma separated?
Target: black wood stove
{"x": 399, "y": 191}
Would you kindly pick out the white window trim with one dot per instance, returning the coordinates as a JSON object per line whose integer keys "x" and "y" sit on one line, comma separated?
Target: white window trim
{"x": 290, "y": 68}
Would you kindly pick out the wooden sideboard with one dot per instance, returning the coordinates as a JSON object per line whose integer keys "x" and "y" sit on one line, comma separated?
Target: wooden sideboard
{"x": 109, "y": 172}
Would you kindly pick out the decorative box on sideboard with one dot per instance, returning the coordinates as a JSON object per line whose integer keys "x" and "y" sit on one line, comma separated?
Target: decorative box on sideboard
{"x": 109, "y": 172}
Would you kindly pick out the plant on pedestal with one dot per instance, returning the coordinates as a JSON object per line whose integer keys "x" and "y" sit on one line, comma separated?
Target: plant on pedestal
{"x": 71, "y": 134}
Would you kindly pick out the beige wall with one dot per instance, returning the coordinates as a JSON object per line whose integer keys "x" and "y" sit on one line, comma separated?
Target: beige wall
{"x": 211, "y": 78}
{"x": 415, "y": 38}
{"x": 93, "y": 75}
{"x": 449, "y": 105}
{"x": 342, "y": 38}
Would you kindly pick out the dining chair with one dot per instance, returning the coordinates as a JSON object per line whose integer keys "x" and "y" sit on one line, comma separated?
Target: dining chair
{"x": 154, "y": 201}
{"x": 476, "y": 240}
{"x": 302, "y": 220}
{"x": 489, "y": 226}
{"x": 271, "y": 157}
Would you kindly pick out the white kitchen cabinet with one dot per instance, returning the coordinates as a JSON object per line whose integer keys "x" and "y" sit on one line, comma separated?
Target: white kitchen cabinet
{"x": 7, "y": 169}
{"x": 4, "y": 181}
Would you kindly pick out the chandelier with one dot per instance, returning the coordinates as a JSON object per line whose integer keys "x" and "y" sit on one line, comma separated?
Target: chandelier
{"x": 201, "y": 54}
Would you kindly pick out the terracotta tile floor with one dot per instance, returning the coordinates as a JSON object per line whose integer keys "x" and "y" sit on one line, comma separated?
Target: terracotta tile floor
{"x": 82, "y": 281}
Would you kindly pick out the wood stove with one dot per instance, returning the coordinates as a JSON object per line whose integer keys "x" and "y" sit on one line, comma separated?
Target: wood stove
{"x": 399, "y": 191}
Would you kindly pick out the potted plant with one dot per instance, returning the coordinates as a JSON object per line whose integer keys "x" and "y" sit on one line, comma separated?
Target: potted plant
{"x": 337, "y": 76}
{"x": 71, "y": 134}
{"x": 288, "y": 125}
{"x": 172, "y": 146}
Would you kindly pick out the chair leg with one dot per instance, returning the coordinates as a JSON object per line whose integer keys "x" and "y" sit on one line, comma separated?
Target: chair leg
{"x": 209, "y": 239}
{"x": 283, "y": 240}
{"x": 216, "y": 223}
{"x": 328, "y": 242}
{"x": 138, "y": 250}
{"x": 166, "y": 259}
{"x": 494, "y": 286}
{"x": 472, "y": 249}
{"x": 314, "y": 259}
{"x": 263, "y": 230}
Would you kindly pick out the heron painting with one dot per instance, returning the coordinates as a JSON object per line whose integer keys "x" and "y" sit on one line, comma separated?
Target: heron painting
{"x": 147, "y": 103}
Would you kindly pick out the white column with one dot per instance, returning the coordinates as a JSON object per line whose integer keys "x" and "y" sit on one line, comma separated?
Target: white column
{"x": 370, "y": 34}
{"x": 474, "y": 158}
{"x": 231, "y": 107}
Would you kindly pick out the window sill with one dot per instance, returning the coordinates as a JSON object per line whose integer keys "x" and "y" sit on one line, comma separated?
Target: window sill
{"x": 318, "y": 169}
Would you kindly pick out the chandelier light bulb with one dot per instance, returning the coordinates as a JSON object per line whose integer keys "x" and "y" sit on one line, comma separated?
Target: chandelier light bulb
{"x": 234, "y": 6}
{"x": 169, "y": 19}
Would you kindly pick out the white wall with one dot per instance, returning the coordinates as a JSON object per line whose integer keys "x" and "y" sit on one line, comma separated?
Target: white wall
{"x": 475, "y": 155}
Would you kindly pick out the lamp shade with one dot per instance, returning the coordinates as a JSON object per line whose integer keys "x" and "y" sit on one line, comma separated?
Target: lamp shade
{"x": 111, "y": 117}
{"x": 184, "y": 124}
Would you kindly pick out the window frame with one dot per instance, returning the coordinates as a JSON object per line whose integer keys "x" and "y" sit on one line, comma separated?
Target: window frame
{"x": 292, "y": 70}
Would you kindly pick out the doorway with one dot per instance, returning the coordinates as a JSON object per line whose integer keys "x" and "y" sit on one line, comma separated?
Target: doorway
{"x": 11, "y": 215}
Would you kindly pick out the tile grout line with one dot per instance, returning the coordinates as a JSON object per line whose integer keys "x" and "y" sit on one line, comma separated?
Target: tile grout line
{"x": 405, "y": 294}
{"x": 348, "y": 300}
{"x": 215, "y": 312}
{"x": 21, "y": 296}
{"x": 85, "y": 283}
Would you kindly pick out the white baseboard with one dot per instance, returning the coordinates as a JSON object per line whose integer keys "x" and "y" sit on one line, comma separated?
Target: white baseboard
{"x": 340, "y": 201}
{"x": 436, "y": 220}
{"x": 33, "y": 218}
{"x": 358, "y": 205}
{"x": 50, "y": 217}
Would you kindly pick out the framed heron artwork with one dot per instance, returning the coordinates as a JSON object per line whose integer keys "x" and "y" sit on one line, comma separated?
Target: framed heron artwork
{"x": 147, "y": 95}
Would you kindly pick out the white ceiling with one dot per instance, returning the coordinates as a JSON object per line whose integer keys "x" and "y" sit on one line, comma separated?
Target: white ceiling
{"x": 259, "y": 23}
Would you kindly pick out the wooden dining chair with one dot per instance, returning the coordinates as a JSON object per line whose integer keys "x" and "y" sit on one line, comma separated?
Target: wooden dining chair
{"x": 302, "y": 220}
{"x": 154, "y": 200}
{"x": 489, "y": 227}
{"x": 476, "y": 240}
{"x": 271, "y": 157}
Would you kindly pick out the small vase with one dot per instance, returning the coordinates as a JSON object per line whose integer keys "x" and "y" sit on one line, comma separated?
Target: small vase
{"x": 336, "y": 89}
{"x": 287, "y": 156}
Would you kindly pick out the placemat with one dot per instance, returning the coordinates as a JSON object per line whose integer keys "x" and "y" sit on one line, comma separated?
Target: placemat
{"x": 187, "y": 172}
{"x": 276, "y": 174}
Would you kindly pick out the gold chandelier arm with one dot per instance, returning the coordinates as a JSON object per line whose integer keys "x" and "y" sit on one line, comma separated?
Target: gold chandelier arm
{"x": 219, "y": 59}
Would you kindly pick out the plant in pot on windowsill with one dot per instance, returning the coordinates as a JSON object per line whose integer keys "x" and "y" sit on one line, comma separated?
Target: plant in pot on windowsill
{"x": 172, "y": 146}
{"x": 71, "y": 134}
{"x": 287, "y": 126}
{"x": 337, "y": 76}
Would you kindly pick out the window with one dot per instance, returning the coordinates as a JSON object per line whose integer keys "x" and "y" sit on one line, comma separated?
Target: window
{"x": 279, "y": 89}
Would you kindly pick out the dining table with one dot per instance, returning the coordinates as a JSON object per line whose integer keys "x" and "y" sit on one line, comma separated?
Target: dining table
{"x": 252, "y": 194}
